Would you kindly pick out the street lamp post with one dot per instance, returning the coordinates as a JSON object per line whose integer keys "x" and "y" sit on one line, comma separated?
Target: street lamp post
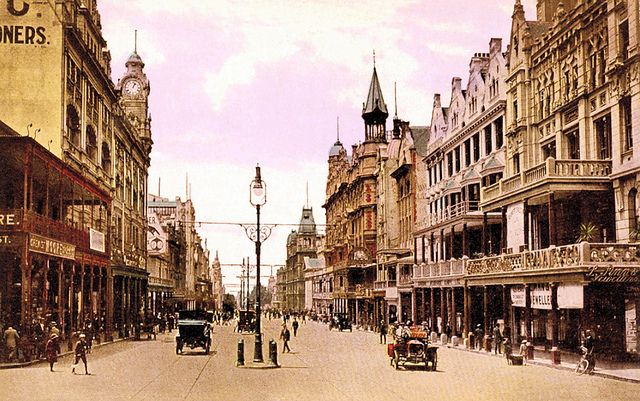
{"x": 257, "y": 198}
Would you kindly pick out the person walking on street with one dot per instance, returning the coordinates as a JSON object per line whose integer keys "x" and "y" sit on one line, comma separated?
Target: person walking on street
{"x": 497, "y": 339}
{"x": 11, "y": 338}
{"x": 81, "y": 353}
{"x": 52, "y": 349}
{"x": 285, "y": 336}
{"x": 383, "y": 332}
{"x": 295, "y": 326}
{"x": 478, "y": 333}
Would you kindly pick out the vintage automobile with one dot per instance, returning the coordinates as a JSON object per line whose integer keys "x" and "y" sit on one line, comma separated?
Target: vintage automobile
{"x": 411, "y": 348}
{"x": 339, "y": 321}
{"x": 247, "y": 321}
{"x": 194, "y": 330}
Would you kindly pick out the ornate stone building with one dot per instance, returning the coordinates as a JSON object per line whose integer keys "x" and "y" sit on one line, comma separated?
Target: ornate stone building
{"x": 351, "y": 210}
{"x": 302, "y": 244}
{"x": 58, "y": 90}
{"x": 568, "y": 198}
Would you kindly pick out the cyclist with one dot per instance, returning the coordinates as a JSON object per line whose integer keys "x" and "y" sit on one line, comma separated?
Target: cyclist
{"x": 587, "y": 350}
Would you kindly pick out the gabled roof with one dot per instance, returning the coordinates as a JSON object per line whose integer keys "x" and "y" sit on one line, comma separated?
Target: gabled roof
{"x": 375, "y": 101}
{"x": 307, "y": 223}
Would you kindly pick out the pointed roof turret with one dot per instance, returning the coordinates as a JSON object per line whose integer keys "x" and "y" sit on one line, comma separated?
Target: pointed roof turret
{"x": 307, "y": 223}
{"x": 375, "y": 105}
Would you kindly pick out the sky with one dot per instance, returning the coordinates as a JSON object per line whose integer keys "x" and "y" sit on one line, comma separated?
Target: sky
{"x": 235, "y": 83}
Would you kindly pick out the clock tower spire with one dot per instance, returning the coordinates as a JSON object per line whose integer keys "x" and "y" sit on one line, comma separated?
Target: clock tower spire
{"x": 134, "y": 90}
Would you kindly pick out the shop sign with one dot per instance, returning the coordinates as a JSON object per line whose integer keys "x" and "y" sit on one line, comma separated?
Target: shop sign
{"x": 6, "y": 240}
{"x": 541, "y": 296}
{"x": 96, "y": 240}
{"x": 51, "y": 247}
{"x": 610, "y": 274}
{"x": 570, "y": 296}
{"x": 518, "y": 296}
{"x": 8, "y": 219}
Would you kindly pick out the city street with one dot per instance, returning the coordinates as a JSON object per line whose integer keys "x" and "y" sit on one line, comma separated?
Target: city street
{"x": 323, "y": 365}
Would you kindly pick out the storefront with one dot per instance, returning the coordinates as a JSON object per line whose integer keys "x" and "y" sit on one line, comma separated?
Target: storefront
{"x": 54, "y": 264}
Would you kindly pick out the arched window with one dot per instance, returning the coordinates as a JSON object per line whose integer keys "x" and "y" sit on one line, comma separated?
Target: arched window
{"x": 106, "y": 157}
{"x": 73, "y": 125}
{"x": 92, "y": 143}
{"x": 633, "y": 215}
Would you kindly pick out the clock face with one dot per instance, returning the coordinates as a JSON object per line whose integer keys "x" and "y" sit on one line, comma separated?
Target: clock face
{"x": 132, "y": 88}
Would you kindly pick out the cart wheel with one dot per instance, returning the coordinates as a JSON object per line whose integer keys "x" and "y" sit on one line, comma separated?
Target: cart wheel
{"x": 434, "y": 364}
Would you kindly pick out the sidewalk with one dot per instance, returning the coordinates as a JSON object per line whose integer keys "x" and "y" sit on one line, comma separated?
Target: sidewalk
{"x": 13, "y": 365}
{"x": 625, "y": 371}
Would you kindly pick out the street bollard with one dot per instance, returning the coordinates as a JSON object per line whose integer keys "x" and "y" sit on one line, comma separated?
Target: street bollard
{"x": 273, "y": 353}
{"x": 240, "y": 361}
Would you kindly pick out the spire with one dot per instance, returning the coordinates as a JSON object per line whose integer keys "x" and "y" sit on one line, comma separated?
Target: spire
{"x": 134, "y": 59}
{"x": 374, "y": 111}
{"x": 307, "y": 194}
{"x": 338, "y": 130}
{"x": 395, "y": 100}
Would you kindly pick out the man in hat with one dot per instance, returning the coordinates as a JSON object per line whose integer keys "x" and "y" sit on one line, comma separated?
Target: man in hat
{"x": 479, "y": 334}
{"x": 52, "y": 349}
{"x": 81, "y": 353}
{"x": 11, "y": 338}
{"x": 285, "y": 336}
{"x": 523, "y": 350}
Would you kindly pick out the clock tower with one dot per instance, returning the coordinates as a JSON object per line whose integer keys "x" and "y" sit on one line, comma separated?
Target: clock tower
{"x": 134, "y": 90}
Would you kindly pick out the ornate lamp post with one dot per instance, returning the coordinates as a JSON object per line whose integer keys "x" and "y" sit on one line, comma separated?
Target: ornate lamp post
{"x": 257, "y": 234}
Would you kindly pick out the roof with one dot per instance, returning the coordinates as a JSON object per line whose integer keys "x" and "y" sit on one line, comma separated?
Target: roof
{"x": 375, "y": 102}
{"x": 135, "y": 58}
{"x": 421, "y": 139}
{"x": 307, "y": 224}
{"x": 538, "y": 28}
{"x": 335, "y": 149}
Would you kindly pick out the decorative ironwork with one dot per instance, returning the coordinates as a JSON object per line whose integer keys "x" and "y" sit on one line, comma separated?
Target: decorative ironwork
{"x": 252, "y": 231}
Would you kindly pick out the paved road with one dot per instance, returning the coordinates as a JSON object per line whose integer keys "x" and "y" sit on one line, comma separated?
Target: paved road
{"x": 323, "y": 366}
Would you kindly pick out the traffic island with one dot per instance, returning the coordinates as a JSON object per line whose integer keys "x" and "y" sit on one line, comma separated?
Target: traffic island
{"x": 241, "y": 362}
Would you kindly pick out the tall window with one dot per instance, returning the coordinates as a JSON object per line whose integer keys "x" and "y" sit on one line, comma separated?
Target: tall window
{"x": 573, "y": 144}
{"x": 92, "y": 143}
{"x": 476, "y": 147}
{"x": 633, "y": 217}
{"x": 467, "y": 152}
{"x": 624, "y": 39}
{"x": 456, "y": 153}
{"x": 499, "y": 133}
{"x": 625, "y": 116}
{"x": 516, "y": 163}
{"x": 487, "y": 140}
{"x": 603, "y": 137}
{"x": 515, "y": 111}
{"x": 73, "y": 125}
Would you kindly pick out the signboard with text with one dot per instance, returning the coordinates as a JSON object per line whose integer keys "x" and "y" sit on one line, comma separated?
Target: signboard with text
{"x": 518, "y": 296}
{"x": 51, "y": 247}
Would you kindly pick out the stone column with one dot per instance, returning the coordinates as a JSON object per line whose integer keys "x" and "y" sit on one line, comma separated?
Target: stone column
{"x": 443, "y": 309}
{"x": 454, "y": 329}
{"x": 555, "y": 353}
{"x": 414, "y": 312}
{"x": 484, "y": 233}
{"x": 503, "y": 228}
{"x": 553, "y": 240}
{"x": 465, "y": 243}
{"x": 526, "y": 223}
{"x": 433, "y": 309}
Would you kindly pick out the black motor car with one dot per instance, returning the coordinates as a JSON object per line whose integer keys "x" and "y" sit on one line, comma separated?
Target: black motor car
{"x": 247, "y": 321}
{"x": 339, "y": 321}
{"x": 194, "y": 330}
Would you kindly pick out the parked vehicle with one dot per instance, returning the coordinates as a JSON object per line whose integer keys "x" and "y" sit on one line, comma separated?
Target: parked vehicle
{"x": 194, "y": 330}
{"x": 339, "y": 321}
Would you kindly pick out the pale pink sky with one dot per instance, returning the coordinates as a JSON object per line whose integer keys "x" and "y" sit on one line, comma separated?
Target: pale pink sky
{"x": 235, "y": 83}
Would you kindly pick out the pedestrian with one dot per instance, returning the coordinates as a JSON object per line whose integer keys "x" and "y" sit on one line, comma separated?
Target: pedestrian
{"x": 523, "y": 350}
{"x": 11, "y": 338}
{"x": 52, "y": 349}
{"x": 383, "y": 332}
{"x": 478, "y": 333}
{"x": 81, "y": 353}
{"x": 285, "y": 336}
{"x": 54, "y": 329}
{"x": 295, "y": 326}
{"x": 171, "y": 321}
{"x": 497, "y": 339}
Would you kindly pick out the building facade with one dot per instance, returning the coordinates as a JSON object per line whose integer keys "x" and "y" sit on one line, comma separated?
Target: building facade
{"x": 58, "y": 90}
{"x": 351, "y": 214}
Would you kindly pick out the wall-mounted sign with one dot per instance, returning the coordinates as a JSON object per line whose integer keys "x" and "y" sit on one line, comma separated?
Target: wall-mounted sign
{"x": 610, "y": 274}
{"x": 51, "y": 247}
{"x": 570, "y": 296}
{"x": 96, "y": 240}
{"x": 541, "y": 296}
{"x": 518, "y": 296}
{"x": 6, "y": 240}
{"x": 8, "y": 219}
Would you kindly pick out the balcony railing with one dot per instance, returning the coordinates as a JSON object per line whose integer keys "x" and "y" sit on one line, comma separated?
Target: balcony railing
{"x": 453, "y": 211}
{"x": 444, "y": 268}
{"x": 165, "y": 282}
{"x": 34, "y": 223}
{"x": 550, "y": 168}
{"x": 384, "y": 284}
{"x": 583, "y": 255}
